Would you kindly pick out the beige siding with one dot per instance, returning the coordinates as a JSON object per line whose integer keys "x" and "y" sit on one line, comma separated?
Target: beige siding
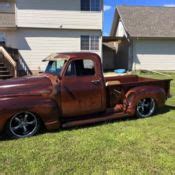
{"x": 36, "y": 44}
{"x": 7, "y": 14}
{"x": 120, "y": 30}
{"x": 7, "y": 20}
{"x": 63, "y": 14}
{"x": 154, "y": 54}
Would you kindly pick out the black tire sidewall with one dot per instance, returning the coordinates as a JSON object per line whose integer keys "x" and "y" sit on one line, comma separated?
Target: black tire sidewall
{"x": 10, "y": 134}
{"x": 155, "y": 109}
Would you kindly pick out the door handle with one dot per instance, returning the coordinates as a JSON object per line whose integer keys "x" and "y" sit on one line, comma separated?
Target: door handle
{"x": 96, "y": 82}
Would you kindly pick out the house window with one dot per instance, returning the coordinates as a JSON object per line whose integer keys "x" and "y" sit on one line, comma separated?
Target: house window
{"x": 2, "y": 37}
{"x": 95, "y": 5}
{"x": 85, "y": 5}
{"x": 85, "y": 43}
{"x": 7, "y": 7}
{"x": 90, "y": 5}
{"x": 89, "y": 42}
{"x": 94, "y": 43}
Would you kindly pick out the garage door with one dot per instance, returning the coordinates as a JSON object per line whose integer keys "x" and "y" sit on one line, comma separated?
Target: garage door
{"x": 154, "y": 54}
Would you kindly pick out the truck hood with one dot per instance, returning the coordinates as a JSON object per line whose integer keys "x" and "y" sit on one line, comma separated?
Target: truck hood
{"x": 32, "y": 85}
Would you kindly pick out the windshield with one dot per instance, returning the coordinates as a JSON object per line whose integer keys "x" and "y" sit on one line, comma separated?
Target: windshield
{"x": 55, "y": 67}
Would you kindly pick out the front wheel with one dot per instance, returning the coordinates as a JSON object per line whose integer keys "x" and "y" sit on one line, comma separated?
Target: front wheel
{"x": 23, "y": 124}
{"x": 145, "y": 107}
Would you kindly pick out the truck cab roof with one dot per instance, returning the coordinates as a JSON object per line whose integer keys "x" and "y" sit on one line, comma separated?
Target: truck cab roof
{"x": 71, "y": 55}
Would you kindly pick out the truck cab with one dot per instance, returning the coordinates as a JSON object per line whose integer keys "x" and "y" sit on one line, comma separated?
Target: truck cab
{"x": 82, "y": 86}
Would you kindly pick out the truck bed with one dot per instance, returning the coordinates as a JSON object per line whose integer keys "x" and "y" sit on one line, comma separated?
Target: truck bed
{"x": 118, "y": 86}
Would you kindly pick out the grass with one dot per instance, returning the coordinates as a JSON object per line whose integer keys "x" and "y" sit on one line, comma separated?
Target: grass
{"x": 144, "y": 146}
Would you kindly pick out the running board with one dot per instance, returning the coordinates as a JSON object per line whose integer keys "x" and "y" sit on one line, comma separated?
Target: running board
{"x": 94, "y": 120}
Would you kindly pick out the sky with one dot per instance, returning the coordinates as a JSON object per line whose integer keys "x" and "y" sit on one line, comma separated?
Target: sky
{"x": 109, "y": 8}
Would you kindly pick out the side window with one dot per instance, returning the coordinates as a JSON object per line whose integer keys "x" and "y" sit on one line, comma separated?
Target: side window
{"x": 89, "y": 67}
{"x": 81, "y": 68}
{"x": 71, "y": 71}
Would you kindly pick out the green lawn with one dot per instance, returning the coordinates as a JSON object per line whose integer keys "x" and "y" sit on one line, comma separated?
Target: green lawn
{"x": 145, "y": 146}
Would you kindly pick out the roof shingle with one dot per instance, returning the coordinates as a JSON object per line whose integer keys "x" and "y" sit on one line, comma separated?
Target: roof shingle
{"x": 148, "y": 21}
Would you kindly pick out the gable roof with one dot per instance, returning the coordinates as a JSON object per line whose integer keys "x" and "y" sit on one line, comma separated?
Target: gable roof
{"x": 146, "y": 21}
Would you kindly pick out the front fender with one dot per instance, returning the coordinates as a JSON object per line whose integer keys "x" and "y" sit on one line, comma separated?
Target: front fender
{"x": 134, "y": 95}
{"x": 45, "y": 108}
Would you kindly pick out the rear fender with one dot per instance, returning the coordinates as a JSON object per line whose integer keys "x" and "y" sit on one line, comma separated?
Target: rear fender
{"x": 134, "y": 95}
{"x": 46, "y": 109}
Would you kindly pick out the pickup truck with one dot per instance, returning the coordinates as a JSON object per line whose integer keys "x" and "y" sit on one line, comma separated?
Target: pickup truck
{"x": 73, "y": 92}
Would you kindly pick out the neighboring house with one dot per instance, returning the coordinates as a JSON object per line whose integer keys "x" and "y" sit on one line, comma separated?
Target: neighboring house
{"x": 150, "y": 33}
{"x": 33, "y": 29}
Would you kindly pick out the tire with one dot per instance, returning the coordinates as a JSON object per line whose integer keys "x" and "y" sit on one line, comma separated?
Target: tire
{"x": 145, "y": 107}
{"x": 23, "y": 124}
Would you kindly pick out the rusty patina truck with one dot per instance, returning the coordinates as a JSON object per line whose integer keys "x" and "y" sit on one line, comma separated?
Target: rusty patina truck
{"x": 73, "y": 92}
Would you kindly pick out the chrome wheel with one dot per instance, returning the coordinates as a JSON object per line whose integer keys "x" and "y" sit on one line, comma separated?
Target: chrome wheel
{"x": 23, "y": 124}
{"x": 146, "y": 107}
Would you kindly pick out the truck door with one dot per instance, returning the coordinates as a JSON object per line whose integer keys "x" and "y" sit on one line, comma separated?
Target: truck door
{"x": 81, "y": 88}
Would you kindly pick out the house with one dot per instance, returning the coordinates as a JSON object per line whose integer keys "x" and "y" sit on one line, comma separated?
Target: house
{"x": 30, "y": 30}
{"x": 148, "y": 37}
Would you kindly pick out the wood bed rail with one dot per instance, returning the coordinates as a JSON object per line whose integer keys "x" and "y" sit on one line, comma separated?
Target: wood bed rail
{"x": 9, "y": 60}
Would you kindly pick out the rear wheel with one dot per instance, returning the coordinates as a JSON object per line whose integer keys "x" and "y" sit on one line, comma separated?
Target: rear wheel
{"x": 146, "y": 107}
{"x": 23, "y": 124}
